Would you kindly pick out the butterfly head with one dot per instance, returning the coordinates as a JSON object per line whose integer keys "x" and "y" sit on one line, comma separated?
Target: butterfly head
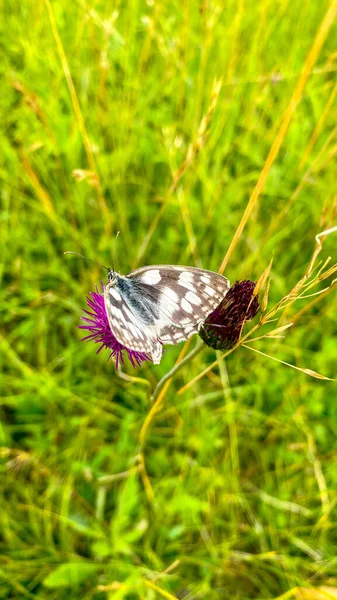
{"x": 112, "y": 276}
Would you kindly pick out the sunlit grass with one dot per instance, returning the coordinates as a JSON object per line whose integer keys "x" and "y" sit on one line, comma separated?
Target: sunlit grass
{"x": 206, "y": 134}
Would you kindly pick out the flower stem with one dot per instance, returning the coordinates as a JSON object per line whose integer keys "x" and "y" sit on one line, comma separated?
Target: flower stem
{"x": 175, "y": 370}
{"x": 161, "y": 388}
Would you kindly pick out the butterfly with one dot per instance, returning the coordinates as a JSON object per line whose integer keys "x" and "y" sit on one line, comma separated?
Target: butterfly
{"x": 160, "y": 304}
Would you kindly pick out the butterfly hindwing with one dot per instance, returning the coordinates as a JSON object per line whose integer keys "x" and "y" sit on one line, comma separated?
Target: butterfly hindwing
{"x": 131, "y": 320}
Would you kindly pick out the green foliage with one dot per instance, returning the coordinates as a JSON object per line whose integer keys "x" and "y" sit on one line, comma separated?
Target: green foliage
{"x": 70, "y": 575}
{"x": 233, "y": 493}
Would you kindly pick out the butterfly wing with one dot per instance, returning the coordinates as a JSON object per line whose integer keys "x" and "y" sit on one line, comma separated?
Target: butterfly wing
{"x": 132, "y": 318}
{"x": 180, "y": 298}
{"x": 161, "y": 304}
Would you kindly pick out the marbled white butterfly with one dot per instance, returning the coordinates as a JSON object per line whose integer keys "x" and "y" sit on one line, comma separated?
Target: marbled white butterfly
{"x": 160, "y": 304}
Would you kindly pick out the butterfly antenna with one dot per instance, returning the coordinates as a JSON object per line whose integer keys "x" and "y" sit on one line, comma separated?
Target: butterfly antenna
{"x": 114, "y": 251}
{"x": 86, "y": 258}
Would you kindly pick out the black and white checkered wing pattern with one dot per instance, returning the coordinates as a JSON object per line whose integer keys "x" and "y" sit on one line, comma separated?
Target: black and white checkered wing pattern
{"x": 184, "y": 296}
{"x": 161, "y": 304}
{"x": 132, "y": 318}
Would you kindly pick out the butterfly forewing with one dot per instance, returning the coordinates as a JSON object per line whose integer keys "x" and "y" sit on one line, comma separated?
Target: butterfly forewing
{"x": 185, "y": 296}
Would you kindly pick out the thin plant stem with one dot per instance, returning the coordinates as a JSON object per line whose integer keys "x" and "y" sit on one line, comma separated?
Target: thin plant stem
{"x": 161, "y": 388}
{"x": 78, "y": 112}
{"x": 177, "y": 367}
{"x": 158, "y": 397}
{"x": 192, "y": 152}
{"x": 159, "y": 590}
{"x": 288, "y": 115}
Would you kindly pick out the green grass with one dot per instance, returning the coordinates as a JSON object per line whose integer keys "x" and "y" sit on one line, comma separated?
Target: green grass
{"x": 236, "y": 497}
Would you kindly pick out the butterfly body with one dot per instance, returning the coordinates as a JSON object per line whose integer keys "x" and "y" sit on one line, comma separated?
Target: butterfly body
{"x": 160, "y": 304}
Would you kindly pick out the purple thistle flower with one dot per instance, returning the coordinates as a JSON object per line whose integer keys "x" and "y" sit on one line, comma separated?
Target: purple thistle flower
{"x": 98, "y": 324}
{"x": 222, "y": 328}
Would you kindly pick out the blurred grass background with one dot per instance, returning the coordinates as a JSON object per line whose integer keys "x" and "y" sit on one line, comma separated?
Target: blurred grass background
{"x": 101, "y": 104}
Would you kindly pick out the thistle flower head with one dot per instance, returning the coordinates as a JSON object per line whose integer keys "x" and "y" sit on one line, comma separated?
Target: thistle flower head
{"x": 222, "y": 328}
{"x": 101, "y": 333}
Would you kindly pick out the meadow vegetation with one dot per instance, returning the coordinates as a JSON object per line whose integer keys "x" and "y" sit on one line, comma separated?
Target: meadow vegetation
{"x": 167, "y": 121}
